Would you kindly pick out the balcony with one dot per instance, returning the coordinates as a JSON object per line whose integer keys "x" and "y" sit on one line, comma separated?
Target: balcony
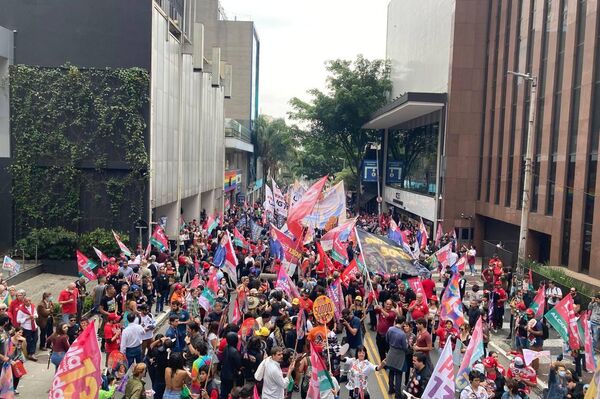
{"x": 237, "y": 136}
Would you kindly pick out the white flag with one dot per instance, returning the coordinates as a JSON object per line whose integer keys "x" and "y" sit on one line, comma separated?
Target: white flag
{"x": 441, "y": 383}
{"x": 281, "y": 205}
{"x": 529, "y": 355}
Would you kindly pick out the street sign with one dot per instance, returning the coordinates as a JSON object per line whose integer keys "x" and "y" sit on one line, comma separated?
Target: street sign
{"x": 140, "y": 224}
{"x": 323, "y": 309}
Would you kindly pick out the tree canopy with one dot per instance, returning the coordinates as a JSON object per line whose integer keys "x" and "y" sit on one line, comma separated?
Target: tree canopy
{"x": 355, "y": 89}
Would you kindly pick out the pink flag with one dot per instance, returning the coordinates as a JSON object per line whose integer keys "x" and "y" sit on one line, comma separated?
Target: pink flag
{"x": 438, "y": 234}
{"x": 590, "y": 360}
{"x": 237, "y": 313}
{"x": 334, "y": 292}
{"x": 256, "y": 395}
{"x": 301, "y": 324}
{"x": 443, "y": 253}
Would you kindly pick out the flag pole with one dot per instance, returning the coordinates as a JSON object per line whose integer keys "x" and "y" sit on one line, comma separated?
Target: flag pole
{"x": 366, "y": 271}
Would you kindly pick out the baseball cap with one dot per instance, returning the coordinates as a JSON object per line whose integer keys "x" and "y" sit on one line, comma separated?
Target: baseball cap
{"x": 519, "y": 361}
{"x": 490, "y": 362}
{"x": 295, "y": 301}
{"x": 529, "y": 312}
{"x": 358, "y": 298}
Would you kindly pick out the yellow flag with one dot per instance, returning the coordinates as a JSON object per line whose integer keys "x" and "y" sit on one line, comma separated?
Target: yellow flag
{"x": 593, "y": 391}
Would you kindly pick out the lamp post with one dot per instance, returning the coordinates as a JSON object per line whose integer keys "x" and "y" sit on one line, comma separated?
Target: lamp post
{"x": 525, "y": 205}
{"x": 377, "y": 147}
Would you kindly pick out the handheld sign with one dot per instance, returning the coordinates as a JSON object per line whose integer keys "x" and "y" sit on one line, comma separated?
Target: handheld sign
{"x": 323, "y": 309}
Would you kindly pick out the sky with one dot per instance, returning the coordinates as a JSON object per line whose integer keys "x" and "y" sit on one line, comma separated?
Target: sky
{"x": 297, "y": 37}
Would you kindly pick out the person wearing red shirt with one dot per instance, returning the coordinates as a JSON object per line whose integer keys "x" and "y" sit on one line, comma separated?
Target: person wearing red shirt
{"x": 112, "y": 334}
{"x": 418, "y": 308}
{"x": 448, "y": 330}
{"x": 488, "y": 277}
{"x": 386, "y": 316}
{"x": 14, "y": 307}
{"x": 305, "y": 301}
{"x": 68, "y": 301}
{"x": 525, "y": 376}
{"x": 428, "y": 287}
{"x": 112, "y": 268}
{"x": 499, "y": 297}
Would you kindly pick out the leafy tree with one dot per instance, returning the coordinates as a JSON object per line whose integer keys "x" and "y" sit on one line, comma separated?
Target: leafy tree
{"x": 355, "y": 89}
{"x": 413, "y": 146}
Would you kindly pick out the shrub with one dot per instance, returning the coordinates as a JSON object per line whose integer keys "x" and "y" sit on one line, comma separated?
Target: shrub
{"x": 88, "y": 303}
{"x": 103, "y": 240}
{"x": 559, "y": 276}
{"x": 52, "y": 243}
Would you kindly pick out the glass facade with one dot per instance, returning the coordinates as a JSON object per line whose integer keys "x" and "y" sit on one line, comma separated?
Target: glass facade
{"x": 413, "y": 150}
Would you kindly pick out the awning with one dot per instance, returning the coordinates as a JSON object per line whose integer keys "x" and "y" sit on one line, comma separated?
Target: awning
{"x": 405, "y": 108}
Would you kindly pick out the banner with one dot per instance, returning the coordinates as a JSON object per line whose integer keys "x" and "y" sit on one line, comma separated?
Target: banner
{"x": 225, "y": 257}
{"x": 562, "y": 318}
{"x": 473, "y": 353}
{"x": 295, "y": 193}
{"x": 269, "y": 203}
{"x": 281, "y": 205}
{"x": 291, "y": 250}
{"x": 79, "y": 373}
{"x": 304, "y": 207}
{"x": 159, "y": 239}
{"x": 85, "y": 266}
{"x": 329, "y": 211}
{"x": 383, "y": 256}
{"x": 441, "y": 384}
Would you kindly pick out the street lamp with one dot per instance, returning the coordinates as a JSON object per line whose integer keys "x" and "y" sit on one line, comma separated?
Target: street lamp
{"x": 377, "y": 146}
{"x": 525, "y": 205}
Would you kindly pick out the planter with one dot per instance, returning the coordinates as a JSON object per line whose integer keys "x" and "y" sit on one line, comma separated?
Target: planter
{"x": 66, "y": 267}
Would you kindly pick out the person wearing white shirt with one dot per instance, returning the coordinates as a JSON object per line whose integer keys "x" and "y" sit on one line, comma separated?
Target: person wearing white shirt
{"x": 553, "y": 293}
{"x": 131, "y": 340}
{"x": 26, "y": 316}
{"x": 269, "y": 371}
{"x": 474, "y": 390}
{"x": 148, "y": 323}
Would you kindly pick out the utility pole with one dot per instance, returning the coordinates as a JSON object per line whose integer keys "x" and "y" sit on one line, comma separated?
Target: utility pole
{"x": 525, "y": 205}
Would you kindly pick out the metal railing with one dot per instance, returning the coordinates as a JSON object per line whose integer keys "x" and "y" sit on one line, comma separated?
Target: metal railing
{"x": 235, "y": 129}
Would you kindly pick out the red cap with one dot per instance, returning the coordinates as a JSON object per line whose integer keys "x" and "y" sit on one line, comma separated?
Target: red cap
{"x": 521, "y": 306}
{"x": 490, "y": 362}
{"x": 498, "y": 283}
{"x": 178, "y": 286}
{"x": 433, "y": 298}
{"x": 114, "y": 317}
{"x": 530, "y": 312}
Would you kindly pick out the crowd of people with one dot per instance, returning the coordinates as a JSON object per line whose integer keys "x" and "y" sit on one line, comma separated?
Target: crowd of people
{"x": 268, "y": 346}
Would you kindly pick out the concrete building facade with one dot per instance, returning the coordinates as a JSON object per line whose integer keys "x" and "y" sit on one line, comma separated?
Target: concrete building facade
{"x": 482, "y": 126}
{"x": 240, "y": 47}
{"x": 185, "y": 133}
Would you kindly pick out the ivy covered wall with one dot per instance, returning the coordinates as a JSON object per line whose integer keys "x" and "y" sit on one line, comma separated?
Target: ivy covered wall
{"x": 79, "y": 147}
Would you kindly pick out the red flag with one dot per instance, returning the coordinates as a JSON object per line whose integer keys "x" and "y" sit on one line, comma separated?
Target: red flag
{"x": 304, "y": 207}
{"x": 159, "y": 239}
{"x": 85, "y": 266}
{"x": 438, "y": 234}
{"x": 443, "y": 253}
{"x": 417, "y": 286}
{"x": 324, "y": 262}
{"x": 291, "y": 248}
{"x": 122, "y": 246}
{"x": 213, "y": 280}
{"x": 285, "y": 283}
{"x": 349, "y": 273}
{"x": 79, "y": 373}
{"x": 538, "y": 303}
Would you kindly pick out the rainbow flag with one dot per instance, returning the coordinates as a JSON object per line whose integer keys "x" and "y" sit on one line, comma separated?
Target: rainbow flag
{"x": 451, "y": 304}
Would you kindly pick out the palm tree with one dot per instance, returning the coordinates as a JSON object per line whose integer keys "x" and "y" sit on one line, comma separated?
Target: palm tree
{"x": 274, "y": 144}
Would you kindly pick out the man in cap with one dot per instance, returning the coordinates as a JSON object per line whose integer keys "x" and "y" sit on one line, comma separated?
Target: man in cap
{"x": 524, "y": 376}
{"x": 535, "y": 336}
{"x": 493, "y": 377}
{"x": 499, "y": 298}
